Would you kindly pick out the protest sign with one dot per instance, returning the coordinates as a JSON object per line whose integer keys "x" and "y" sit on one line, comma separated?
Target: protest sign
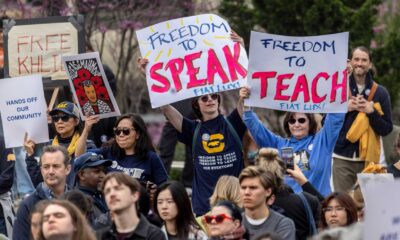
{"x": 191, "y": 57}
{"x": 298, "y": 74}
{"x": 90, "y": 86}
{"x": 23, "y": 110}
{"x": 35, "y": 46}
{"x": 365, "y": 179}
{"x": 382, "y": 215}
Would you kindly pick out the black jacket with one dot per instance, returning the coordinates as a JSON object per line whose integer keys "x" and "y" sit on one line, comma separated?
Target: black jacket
{"x": 144, "y": 230}
{"x": 7, "y": 162}
{"x": 382, "y": 125}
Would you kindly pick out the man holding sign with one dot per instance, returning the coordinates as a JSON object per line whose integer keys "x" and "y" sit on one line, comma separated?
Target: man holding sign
{"x": 302, "y": 75}
{"x": 369, "y": 118}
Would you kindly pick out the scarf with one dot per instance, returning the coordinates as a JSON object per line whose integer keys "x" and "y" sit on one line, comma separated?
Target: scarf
{"x": 72, "y": 144}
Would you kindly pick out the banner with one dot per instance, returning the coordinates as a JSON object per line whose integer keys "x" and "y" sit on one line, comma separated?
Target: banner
{"x": 191, "y": 57}
{"x": 23, "y": 110}
{"x": 90, "y": 86}
{"x": 298, "y": 74}
{"x": 35, "y": 46}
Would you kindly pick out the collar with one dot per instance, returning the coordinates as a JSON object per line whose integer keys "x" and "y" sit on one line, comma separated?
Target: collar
{"x": 368, "y": 84}
{"x": 90, "y": 191}
{"x": 49, "y": 193}
{"x": 140, "y": 230}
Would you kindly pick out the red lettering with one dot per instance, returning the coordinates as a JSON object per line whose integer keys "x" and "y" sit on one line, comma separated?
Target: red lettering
{"x": 314, "y": 87}
{"x": 62, "y": 40}
{"x": 21, "y": 43}
{"x": 55, "y": 62}
{"x": 336, "y": 86}
{"x": 280, "y": 86}
{"x": 263, "y": 76}
{"x": 233, "y": 63}
{"x": 22, "y": 63}
{"x": 42, "y": 66}
{"x": 158, "y": 77}
{"x": 192, "y": 71}
{"x": 48, "y": 41}
{"x": 301, "y": 87}
{"x": 214, "y": 66}
{"x": 37, "y": 64}
{"x": 176, "y": 67}
{"x": 36, "y": 41}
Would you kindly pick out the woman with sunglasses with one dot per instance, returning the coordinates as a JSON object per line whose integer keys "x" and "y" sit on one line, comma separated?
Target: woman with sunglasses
{"x": 312, "y": 150}
{"x": 338, "y": 210}
{"x": 131, "y": 151}
{"x": 173, "y": 205}
{"x": 65, "y": 119}
{"x": 225, "y": 221}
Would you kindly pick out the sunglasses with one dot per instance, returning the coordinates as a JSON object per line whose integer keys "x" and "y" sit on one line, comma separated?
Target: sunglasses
{"x": 125, "y": 131}
{"x": 218, "y": 218}
{"x": 300, "y": 120}
{"x": 205, "y": 97}
{"x": 63, "y": 118}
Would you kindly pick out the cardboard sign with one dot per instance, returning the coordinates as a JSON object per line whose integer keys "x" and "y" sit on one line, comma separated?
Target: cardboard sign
{"x": 89, "y": 85}
{"x": 365, "y": 179}
{"x": 382, "y": 215}
{"x": 191, "y": 57}
{"x": 23, "y": 110}
{"x": 298, "y": 74}
{"x": 35, "y": 46}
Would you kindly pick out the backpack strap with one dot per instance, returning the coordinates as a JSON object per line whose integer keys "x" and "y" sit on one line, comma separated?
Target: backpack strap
{"x": 195, "y": 134}
{"x": 310, "y": 217}
{"x": 234, "y": 133}
{"x": 372, "y": 92}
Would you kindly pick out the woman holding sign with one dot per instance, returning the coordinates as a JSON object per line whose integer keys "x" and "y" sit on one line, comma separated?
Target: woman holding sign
{"x": 312, "y": 150}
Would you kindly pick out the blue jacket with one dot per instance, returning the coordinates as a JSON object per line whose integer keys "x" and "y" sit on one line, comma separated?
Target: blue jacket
{"x": 22, "y": 223}
{"x": 382, "y": 125}
{"x": 313, "y": 153}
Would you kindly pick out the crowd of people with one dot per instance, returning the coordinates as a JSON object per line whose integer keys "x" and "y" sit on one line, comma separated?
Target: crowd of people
{"x": 86, "y": 188}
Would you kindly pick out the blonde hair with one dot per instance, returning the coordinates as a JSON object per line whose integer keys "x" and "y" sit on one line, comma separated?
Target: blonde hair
{"x": 227, "y": 188}
{"x": 269, "y": 160}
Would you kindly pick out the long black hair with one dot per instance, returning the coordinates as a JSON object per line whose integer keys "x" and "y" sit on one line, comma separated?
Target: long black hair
{"x": 143, "y": 144}
{"x": 185, "y": 220}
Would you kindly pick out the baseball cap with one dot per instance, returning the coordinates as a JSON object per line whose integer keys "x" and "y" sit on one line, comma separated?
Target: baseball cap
{"x": 66, "y": 107}
{"x": 87, "y": 160}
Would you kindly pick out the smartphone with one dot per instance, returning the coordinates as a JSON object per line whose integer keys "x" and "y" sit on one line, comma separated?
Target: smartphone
{"x": 288, "y": 157}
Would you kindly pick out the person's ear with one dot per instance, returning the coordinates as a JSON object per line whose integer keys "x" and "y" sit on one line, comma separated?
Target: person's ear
{"x": 236, "y": 223}
{"x": 68, "y": 168}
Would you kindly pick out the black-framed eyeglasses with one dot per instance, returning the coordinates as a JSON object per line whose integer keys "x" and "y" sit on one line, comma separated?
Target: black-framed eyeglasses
{"x": 125, "y": 131}
{"x": 205, "y": 97}
{"x": 300, "y": 120}
{"x": 63, "y": 118}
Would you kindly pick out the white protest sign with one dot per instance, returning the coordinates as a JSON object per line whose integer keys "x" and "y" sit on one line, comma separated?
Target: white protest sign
{"x": 90, "y": 86}
{"x": 365, "y": 179}
{"x": 190, "y": 57}
{"x": 298, "y": 74}
{"x": 23, "y": 110}
{"x": 382, "y": 215}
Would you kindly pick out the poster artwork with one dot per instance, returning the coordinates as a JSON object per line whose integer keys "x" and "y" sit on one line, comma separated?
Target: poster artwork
{"x": 90, "y": 86}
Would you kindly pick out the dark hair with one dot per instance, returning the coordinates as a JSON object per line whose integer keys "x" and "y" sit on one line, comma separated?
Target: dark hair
{"x": 362, "y": 49}
{"x": 312, "y": 123}
{"x": 82, "y": 201}
{"x": 234, "y": 210}
{"x": 53, "y": 149}
{"x": 196, "y": 107}
{"x": 122, "y": 178}
{"x": 185, "y": 220}
{"x": 83, "y": 229}
{"x": 345, "y": 201}
{"x": 143, "y": 144}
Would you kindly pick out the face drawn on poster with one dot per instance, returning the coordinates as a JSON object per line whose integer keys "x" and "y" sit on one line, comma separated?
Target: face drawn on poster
{"x": 90, "y": 86}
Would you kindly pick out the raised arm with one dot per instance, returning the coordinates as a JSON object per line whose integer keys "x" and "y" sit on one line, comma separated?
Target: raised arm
{"x": 173, "y": 116}
{"x": 81, "y": 144}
